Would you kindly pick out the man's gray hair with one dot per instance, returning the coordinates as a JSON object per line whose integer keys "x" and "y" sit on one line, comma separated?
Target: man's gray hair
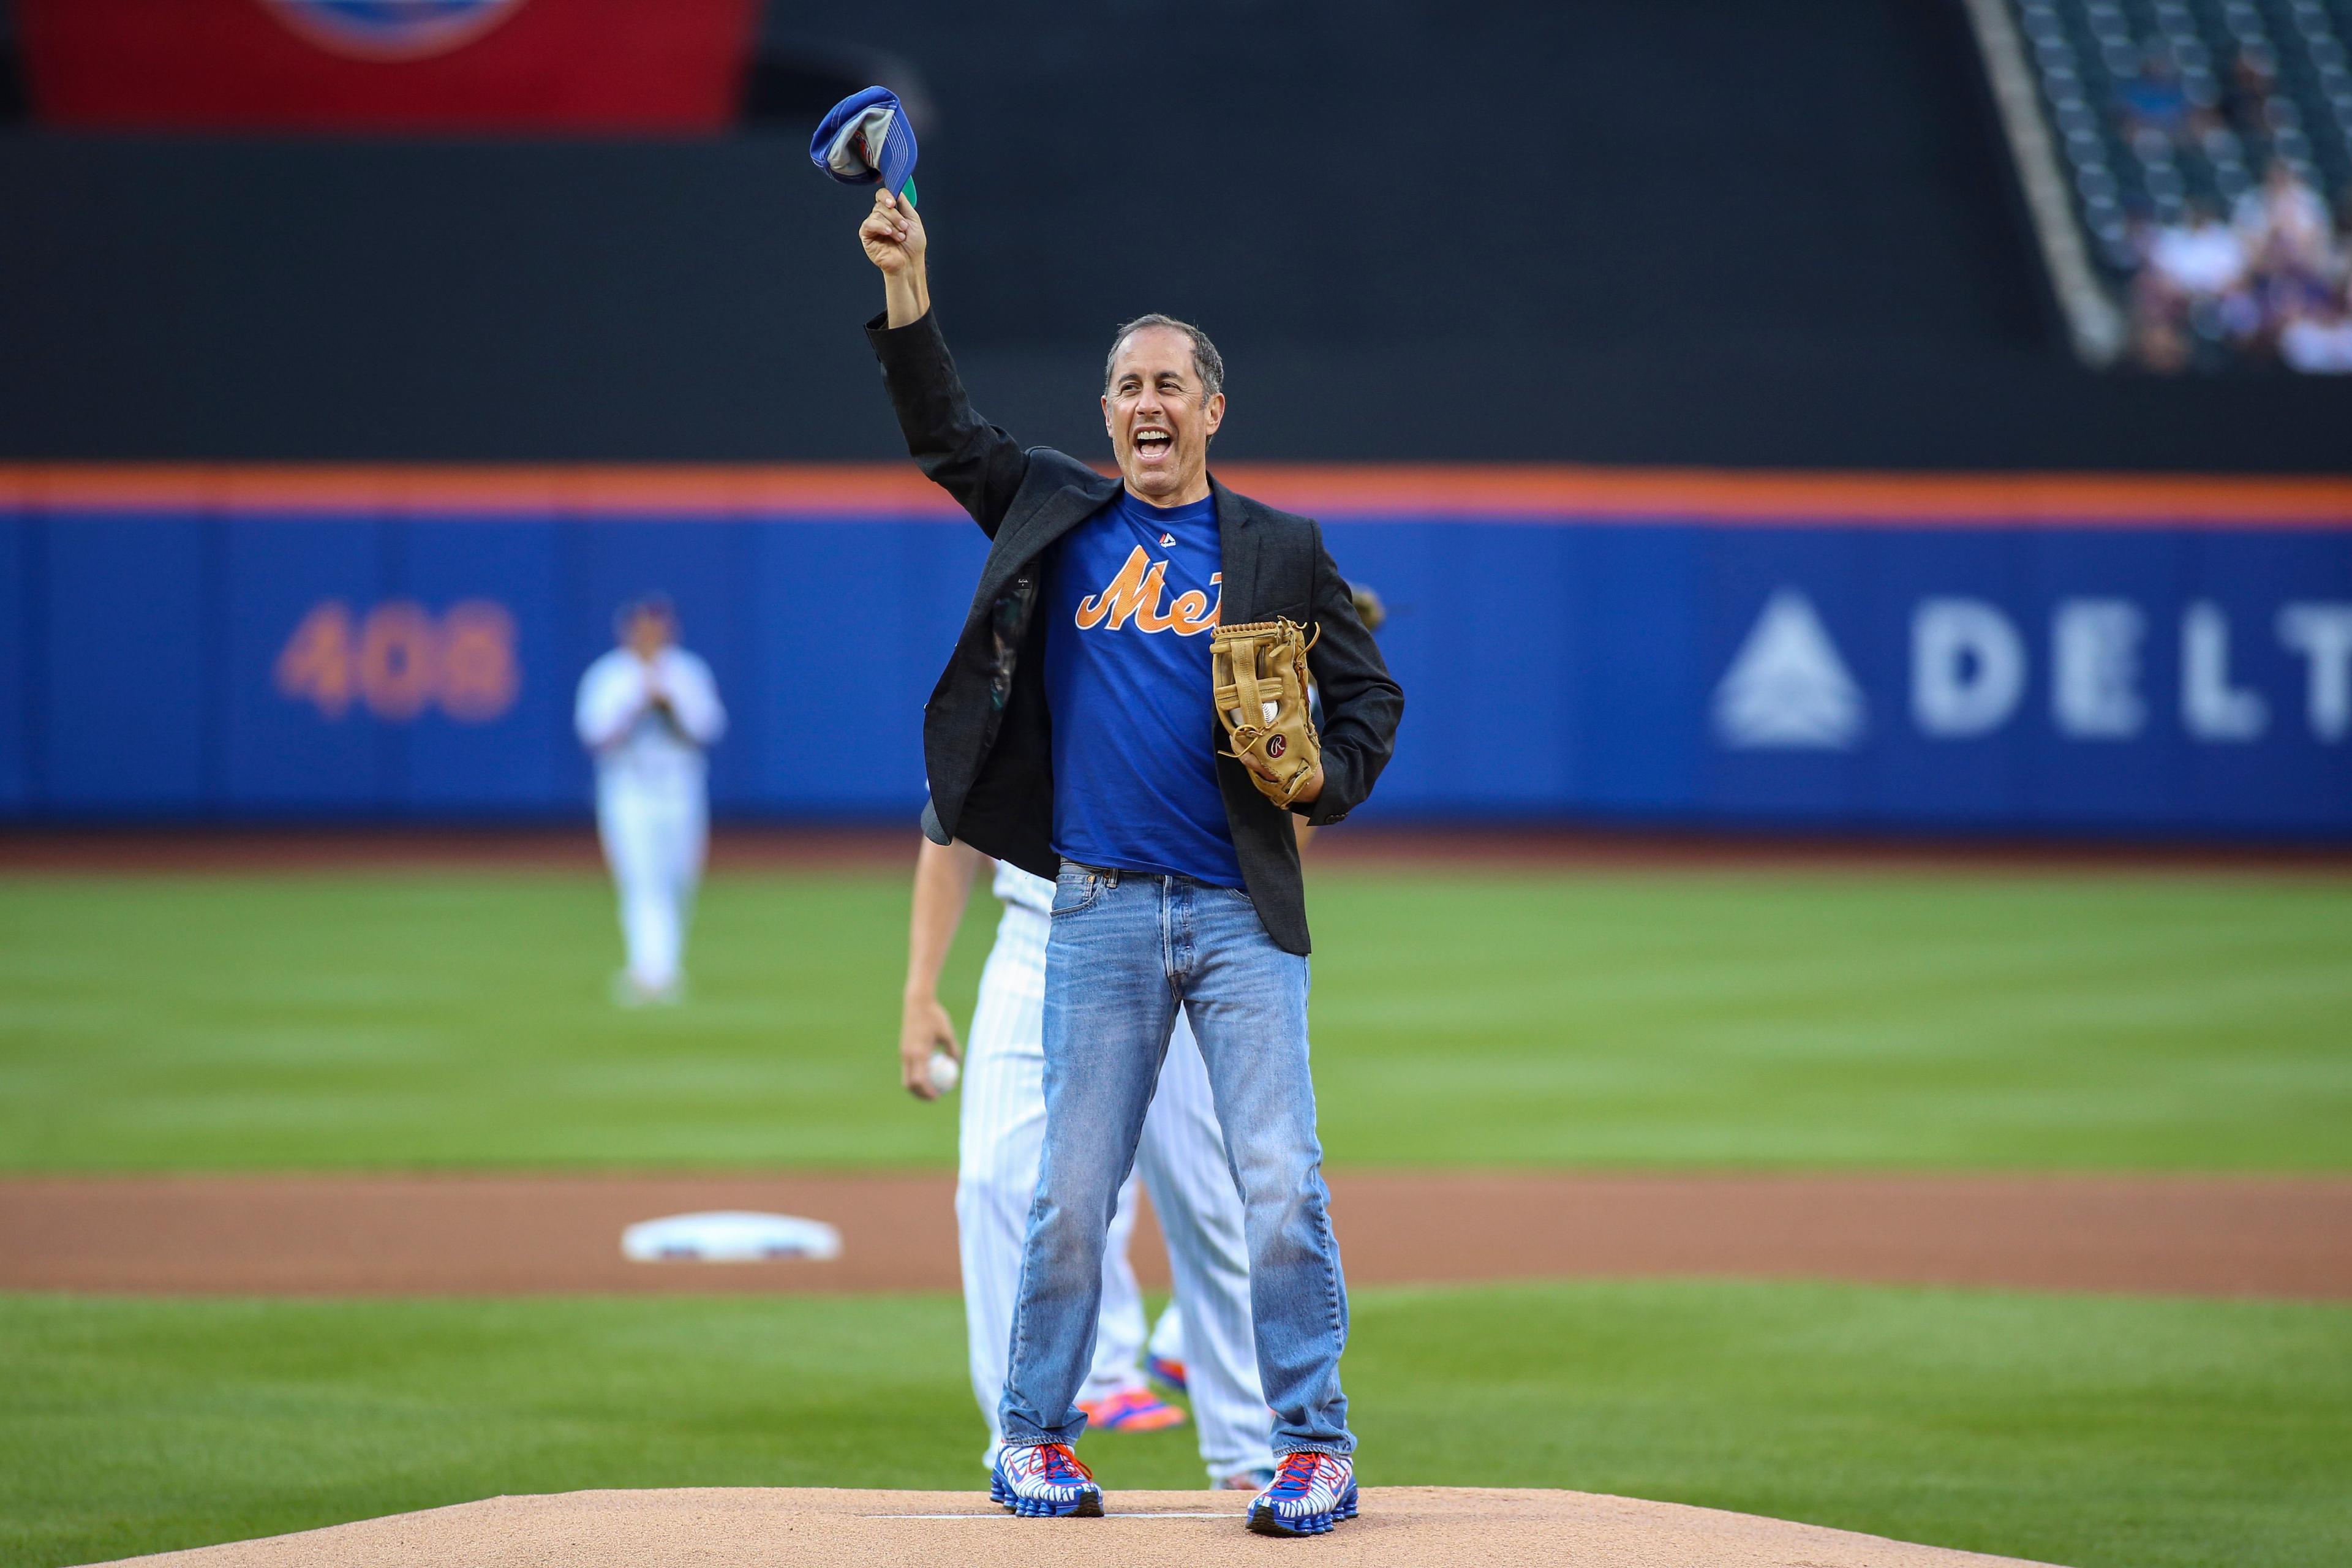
{"x": 1207, "y": 363}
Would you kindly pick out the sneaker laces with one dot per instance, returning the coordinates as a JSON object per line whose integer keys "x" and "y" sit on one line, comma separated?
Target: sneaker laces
{"x": 1297, "y": 1473}
{"x": 1056, "y": 1463}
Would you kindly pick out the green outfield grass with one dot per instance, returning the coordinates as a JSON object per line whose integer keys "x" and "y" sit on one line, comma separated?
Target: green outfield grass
{"x": 2172, "y": 1021}
{"x": 2102, "y": 1433}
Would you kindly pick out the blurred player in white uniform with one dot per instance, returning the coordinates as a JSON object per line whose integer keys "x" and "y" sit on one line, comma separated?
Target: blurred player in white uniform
{"x": 646, "y": 710}
{"x": 1204, "y": 1343}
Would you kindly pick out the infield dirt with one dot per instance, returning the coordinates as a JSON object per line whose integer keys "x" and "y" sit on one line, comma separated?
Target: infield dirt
{"x": 431, "y": 1235}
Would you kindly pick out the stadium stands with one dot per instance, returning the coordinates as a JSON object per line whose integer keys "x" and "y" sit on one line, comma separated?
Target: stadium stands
{"x": 2203, "y": 140}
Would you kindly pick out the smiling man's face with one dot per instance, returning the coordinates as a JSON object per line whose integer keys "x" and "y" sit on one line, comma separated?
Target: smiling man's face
{"x": 1159, "y": 425}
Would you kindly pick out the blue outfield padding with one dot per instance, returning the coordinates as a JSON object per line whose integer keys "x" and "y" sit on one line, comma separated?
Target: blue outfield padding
{"x": 126, "y": 713}
{"x": 2103, "y": 679}
{"x": 16, "y": 636}
{"x": 2164, "y": 679}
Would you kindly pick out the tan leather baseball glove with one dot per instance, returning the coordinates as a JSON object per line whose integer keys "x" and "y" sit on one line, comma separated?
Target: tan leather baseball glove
{"x": 1260, "y": 672}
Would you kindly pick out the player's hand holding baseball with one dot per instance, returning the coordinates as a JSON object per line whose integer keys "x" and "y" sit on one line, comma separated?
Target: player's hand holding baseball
{"x": 924, "y": 1028}
{"x": 895, "y": 242}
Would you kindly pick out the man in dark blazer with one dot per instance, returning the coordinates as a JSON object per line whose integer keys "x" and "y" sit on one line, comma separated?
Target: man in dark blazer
{"x": 1074, "y": 734}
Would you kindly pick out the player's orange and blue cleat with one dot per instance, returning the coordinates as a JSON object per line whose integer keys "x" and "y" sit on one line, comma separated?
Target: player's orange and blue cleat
{"x": 1169, "y": 1374}
{"x": 1310, "y": 1493}
{"x": 1130, "y": 1410}
{"x": 1044, "y": 1480}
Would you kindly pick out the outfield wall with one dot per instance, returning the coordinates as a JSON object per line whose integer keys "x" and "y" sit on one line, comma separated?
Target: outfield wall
{"x": 2006, "y": 653}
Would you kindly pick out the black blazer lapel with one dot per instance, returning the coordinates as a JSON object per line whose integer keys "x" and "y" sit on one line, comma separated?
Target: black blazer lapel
{"x": 1025, "y": 538}
{"x": 1241, "y": 546}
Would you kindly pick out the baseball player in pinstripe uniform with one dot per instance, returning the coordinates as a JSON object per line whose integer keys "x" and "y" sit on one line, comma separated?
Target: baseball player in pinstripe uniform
{"x": 1180, "y": 1160}
{"x": 646, "y": 711}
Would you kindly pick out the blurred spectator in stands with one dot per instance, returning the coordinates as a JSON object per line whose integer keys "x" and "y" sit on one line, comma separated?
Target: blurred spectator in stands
{"x": 2190, "y": 295}
{"x": 2155, "y": 101}
{"x": 2286, "y": 227}
{"x": 2252, "y": 80}
{"x": 2200, "y": 258}
{"x": 2267, "y": 285}
{"x": 2317, "y": 339}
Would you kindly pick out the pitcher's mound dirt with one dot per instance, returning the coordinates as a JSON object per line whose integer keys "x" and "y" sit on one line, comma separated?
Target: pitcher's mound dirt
{"x": 775, "y": 1527}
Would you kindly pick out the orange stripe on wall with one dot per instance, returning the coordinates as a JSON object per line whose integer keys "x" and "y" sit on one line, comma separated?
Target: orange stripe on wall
{"x": 1531, "y": 492}
{"x": 893, "y": 490}
{"x": 1779, "y": 498}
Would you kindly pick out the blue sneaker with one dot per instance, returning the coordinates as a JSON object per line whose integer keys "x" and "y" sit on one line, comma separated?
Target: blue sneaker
{"x": 1310, "y": 1494}
{"x": 1044, "y": 1480}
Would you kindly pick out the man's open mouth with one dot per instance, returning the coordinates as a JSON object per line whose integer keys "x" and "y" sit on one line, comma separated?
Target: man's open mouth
{"x": 1153, "y": 442}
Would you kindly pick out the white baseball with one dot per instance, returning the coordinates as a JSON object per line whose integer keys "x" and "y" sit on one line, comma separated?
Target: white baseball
{"x": 944, "y": 1072}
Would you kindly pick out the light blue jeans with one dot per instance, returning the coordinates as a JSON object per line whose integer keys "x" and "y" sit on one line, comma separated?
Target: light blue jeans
{"x": 1126, "y": 949}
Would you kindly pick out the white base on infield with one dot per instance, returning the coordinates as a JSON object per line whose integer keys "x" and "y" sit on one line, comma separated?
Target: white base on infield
{"x": 730, "y": 1235}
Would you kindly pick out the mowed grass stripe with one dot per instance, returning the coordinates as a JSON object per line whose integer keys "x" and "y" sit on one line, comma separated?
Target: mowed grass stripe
{"x": 1886, "y": 1020}
{"x": 1878, "y": 1019}
{"x": 2089, "y": 1431}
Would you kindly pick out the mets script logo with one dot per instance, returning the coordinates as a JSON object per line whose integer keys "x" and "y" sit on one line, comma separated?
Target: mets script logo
{"x": 392, "y": 29}
{"x": 1135, "y": 593}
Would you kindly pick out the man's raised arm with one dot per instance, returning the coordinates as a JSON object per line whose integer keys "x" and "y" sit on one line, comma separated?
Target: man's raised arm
{"x": 971, "y": 459}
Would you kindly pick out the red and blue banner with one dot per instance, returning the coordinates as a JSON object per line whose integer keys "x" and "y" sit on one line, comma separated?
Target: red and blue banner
{"x": 583, "y": 66}
{"x": 2009, "y": 653}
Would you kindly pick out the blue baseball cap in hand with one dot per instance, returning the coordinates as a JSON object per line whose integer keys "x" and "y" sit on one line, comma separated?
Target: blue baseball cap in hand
{"x": 866, "y": 138}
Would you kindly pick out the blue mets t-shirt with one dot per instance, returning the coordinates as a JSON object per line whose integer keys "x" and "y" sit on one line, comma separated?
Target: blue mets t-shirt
{"x": 1134, "y": 591}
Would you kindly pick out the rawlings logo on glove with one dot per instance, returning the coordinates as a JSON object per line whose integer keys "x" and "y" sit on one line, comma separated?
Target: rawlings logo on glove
{"x": 1260, "y": 672}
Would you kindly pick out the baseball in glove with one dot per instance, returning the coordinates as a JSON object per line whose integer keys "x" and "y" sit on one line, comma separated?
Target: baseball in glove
{"x": 1260, "y": 672}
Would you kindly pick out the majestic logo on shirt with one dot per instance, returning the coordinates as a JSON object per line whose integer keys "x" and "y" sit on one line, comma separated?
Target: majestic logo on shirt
{"x": 1135, "y": 593}
{"x": 1167, "y": 542}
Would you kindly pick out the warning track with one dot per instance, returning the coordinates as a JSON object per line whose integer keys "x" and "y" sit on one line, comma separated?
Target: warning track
{"x": 1525, "y": 848}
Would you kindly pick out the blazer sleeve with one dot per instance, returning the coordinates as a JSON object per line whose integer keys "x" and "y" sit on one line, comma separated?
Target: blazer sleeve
{"x": 1362, "y": 702}
{"x": 958, "y": 450}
